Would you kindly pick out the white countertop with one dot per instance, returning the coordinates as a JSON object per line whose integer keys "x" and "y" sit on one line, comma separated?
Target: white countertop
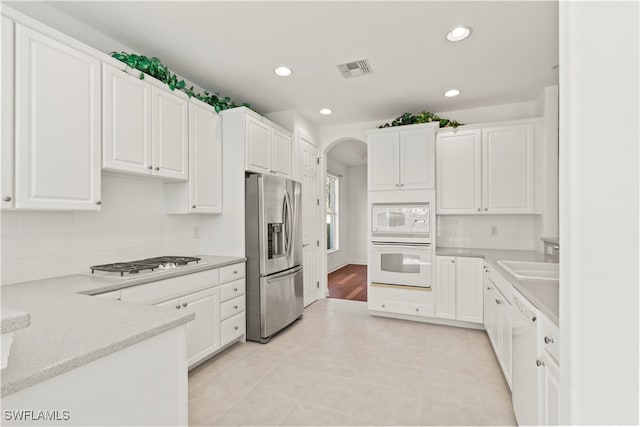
{"x": 543, "y": 294}
{"x": 13, "y": 320}
{"x": 69, "y": 328}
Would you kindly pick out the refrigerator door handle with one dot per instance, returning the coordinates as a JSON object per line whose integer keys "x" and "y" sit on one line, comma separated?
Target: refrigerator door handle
{"x": 288, "y": 226}
{"x": 284, "y": 275}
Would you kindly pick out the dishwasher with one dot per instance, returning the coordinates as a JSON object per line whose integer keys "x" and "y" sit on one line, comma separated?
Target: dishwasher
{"x": 524, "y": 376}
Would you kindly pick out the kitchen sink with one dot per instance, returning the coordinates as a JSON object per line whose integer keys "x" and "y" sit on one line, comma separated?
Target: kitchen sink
{"x": 532, "y": 270}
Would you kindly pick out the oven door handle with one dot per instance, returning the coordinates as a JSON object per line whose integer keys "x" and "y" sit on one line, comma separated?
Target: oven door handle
{"x": 400, "y": 245}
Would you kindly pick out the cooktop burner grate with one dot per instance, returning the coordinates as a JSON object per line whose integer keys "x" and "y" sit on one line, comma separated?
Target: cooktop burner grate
{"x": 133, "y": 267}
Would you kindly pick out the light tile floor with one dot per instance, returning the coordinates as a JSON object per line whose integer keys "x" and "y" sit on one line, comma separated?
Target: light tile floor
{"x": 340, "y": 366}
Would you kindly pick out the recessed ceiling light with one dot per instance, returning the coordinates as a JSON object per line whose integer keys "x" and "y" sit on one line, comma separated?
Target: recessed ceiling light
{"x": 458, "y": 33}
{"x": 283, "y": 71}
{"x": 451, "y": 93}
{"x": 326, "y": 111}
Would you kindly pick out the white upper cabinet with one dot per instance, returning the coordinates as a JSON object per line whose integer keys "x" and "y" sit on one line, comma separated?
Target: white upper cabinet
{"x": 459, "y": 172}
{"x": 205, "y": 160}
{"x": 383, "y": 151}
{"x": 268, "y": 148}
{"x": 58, "y": 138}
{"x": 402, "y": 159}
{"x": 489, "y": 170}
{"x": 281, "y": 153}
{"x": 508, "y": 175}
{"x": 126, "y": 122}
{"x": 7, "y": 90}
{"x": 145, "y": 127}
{"x": 170, "y": 133}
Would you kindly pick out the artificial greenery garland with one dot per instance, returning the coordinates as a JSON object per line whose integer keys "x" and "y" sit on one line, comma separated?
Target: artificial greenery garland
{"x": 155, "y": 68}
{"x": 423, "y": 117}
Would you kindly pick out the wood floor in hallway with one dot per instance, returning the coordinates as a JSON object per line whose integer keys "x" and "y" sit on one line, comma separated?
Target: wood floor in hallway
{"x": 349, "y": 282}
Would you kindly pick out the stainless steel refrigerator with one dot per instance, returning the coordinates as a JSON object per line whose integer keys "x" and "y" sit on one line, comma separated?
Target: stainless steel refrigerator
{"x": 273, "y": 238}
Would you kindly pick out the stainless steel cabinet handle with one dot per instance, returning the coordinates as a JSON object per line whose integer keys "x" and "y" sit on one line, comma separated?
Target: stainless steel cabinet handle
{"x": 184, "y": 304}
{"x": 498, "y": 301}
{"x": 178, "y": 306}
{"x": 150, "y": 167}
{"x": 235, "y": 289}
{"x": 235, "y": 307}
{"x": 6, "y": 198}
{"x": 194, "y": 206}
{"x": 539, "y": 362}
{"x": 157, "y": 168}
{"x": 99, "y": 202}
{"x": 235, "y": 327}
{"x": 548, "y": 340}
{"x": 304, "y": 245}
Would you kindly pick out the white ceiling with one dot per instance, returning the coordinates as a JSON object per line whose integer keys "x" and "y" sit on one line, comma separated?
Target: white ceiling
{"x": 349, "y": 153}
{"x": 233, "y": 47}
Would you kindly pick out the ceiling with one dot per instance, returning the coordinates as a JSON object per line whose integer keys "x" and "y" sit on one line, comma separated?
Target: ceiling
{"x": 349, "y": 153}
{"x": 233, "y": 47}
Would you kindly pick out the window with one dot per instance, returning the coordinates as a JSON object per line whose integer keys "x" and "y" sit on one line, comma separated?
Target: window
{"x": 332, "y": 212}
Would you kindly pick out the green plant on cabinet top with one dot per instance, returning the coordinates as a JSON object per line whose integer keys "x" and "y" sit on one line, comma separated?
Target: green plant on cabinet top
{"x": 154, "y": 68}
{"x": 423, "y": 117}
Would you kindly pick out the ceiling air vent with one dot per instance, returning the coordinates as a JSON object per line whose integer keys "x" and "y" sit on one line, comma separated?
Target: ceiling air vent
{"x": 355, "y": 68}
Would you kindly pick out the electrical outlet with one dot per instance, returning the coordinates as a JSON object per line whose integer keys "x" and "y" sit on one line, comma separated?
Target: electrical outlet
{"x": 196, "y": 232}
{"x": 494, "y": 230}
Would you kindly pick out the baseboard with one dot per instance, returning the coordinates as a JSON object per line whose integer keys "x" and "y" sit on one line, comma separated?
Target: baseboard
{"x": 358, "y": 261}
{"x": 337, "y": 267}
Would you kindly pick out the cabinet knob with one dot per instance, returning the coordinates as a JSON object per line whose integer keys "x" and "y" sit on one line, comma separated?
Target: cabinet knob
{"x": 184, "y": 304}
{"x": 150, "y": 167}
{"x": 6, "y": 198}
{"x": 479, "y": 209}
{"x": 178, "y": 306}
{"x": 486, "y": 209}
{"x": 235, "y": 289}
{"x": 539, "y": 362}
{"x": 194, "y": 206}
{"x": 235, "y": 271}
{"x": 488, "y": 288}
{"x": 99, "y": 202}
{"x": 498, "y": 301}
{"x": 157, "y": 168}
{"x": 417, "y": 309}
{"x": 383, "y": 306}
{"x": 401, "y": 185}
{"x": 453, "y": 261}
{"x": 235, "y": 307}
{"x": 548, "y": 340}
{"x": 235, "y": 327}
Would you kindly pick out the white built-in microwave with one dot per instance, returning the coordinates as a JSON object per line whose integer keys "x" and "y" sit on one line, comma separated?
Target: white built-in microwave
{"x": 401, "y": 222}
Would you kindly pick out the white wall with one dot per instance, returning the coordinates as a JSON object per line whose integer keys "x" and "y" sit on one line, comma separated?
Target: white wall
{"x": 132, "y": 225}
{"x": 599, "y": 154}
{"x": 357, "y": 214}
{"x": 340, "y": 258}
{"x": 474, "y": 231}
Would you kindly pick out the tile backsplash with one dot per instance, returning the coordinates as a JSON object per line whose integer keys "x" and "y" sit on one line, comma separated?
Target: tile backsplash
{"x": 474, "y": 231}
{"x": 131, "y": 225}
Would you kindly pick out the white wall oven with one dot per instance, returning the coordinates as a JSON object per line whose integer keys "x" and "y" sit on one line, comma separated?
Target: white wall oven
{"x": 400, "y": 251}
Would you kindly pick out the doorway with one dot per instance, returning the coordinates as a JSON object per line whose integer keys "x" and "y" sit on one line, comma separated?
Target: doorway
{"x": 346, "y": 220}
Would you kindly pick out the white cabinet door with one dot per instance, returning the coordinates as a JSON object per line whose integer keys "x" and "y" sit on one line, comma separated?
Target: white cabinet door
{"x": 487, "y": 295}
{"x": 417, "y": 162}
{"x": 459, "y": 172}
{"x": 203, "y": 333}
{"x": 505, "y": 329}
{"x": 550, "y": 384}
{"x": 508, "y": 174}
{"x": 205, "y": 160}
{"x": 258, "y": 136}
{"x": 170, "y": 130}
{"x": 469, "y": 295}
{"x": 7, "y": 90}
{"x": 383, "y": 152}
{"x": 58, "y": 138}
{"x": 281, "y": 153}
{"x": 445, "y": 287}
{"x": 126, "y": 122}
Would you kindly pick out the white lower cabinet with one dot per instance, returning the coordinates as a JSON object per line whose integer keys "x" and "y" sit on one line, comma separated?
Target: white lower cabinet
{"x": 400, "y": 300}
{"x": 458, "y": 288}
{"x": 549, "y": 376}
{"x": 232, "y": 303}
{"x": 497, "y": 322}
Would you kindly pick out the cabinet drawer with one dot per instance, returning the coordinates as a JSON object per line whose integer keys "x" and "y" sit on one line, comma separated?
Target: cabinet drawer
{"x": 232, "y": 328}
{"x": 163, "y": 290}
{"x": 422, "y": 310}
{"x": 232, "y": 307}
{"x": 549, "y": 338}
{"x": 231, "y": 273}
{"x": 232, "y": 290}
